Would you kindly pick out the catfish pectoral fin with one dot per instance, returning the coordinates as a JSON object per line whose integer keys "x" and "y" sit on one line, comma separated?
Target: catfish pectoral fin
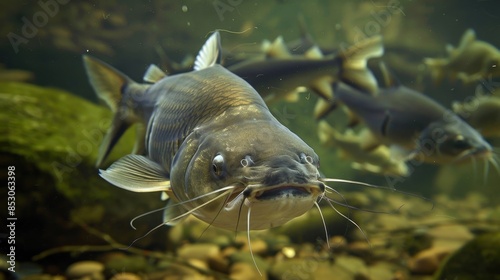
{"x": 138, "y": 174}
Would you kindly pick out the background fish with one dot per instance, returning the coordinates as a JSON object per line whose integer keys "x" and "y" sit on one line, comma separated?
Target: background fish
{"x": 413, "y": 124}
{"x": 471, "y": 61}
{"x": 279, "y": 77}
{"x": 482, "y": 113}
{"x": 378, "y": 160}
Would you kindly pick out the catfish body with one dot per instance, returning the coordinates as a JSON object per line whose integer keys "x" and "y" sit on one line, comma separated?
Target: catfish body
{"x": 210, "y": 143}
{"x": 413, "y": 124}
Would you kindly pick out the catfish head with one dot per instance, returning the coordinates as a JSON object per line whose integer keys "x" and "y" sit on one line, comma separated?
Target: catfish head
{"x": 450, "y": 139}
{"x": 245, "y": 175}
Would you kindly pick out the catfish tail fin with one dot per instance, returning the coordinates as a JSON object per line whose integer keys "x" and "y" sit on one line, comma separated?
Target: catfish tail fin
{"x": 110, "y": 86}
{"x": 354, "y": 63}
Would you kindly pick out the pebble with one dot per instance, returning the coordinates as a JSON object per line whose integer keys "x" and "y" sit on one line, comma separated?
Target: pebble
{"x": 132, "y": 263}
{"x": 126, "y": 276}
{"x": 259, "y": 247}
{"x": 428, "y": 261}
{"x": 201, "y": 251}
{"x": 246, "y": 271}
{"x": 89, "y": 270}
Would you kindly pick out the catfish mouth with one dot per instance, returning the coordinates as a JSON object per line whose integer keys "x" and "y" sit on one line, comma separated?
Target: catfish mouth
{"x": 285, "y": 191}
{"x": 479, "y": 153}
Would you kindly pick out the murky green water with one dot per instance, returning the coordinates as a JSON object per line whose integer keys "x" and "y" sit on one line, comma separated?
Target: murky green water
{"x": 50, "y": 138}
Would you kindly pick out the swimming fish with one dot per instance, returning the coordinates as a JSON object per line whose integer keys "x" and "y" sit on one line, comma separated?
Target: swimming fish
{"x": 412, "y": 125}
{"x": 211, "y": 144}
{"x": 280, "y": 75}
{"x": 378, "y": 160}
{"x": 471, "y": 61}
{"x": 482, "y": 113}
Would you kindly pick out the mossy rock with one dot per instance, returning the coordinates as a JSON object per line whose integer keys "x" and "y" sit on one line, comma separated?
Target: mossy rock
{"x": 477, "y": 260}
{"x": 52, "y": 138}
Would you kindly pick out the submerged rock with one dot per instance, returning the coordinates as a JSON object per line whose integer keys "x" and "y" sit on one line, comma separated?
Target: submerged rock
{"x": 90, "y": 270}
{"x": 478, "y": 259}
{"x": 52, "y": 138}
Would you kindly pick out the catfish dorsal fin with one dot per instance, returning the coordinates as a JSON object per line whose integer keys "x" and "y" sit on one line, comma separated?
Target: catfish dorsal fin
{"x": 138, "y": 174}
{"x": 468, "y": 37}
{"x": 210, "y": 53}
{"x": 278, "y": 49}
{"x": 266, "y": 44}
{"x": 153, "y": 74}
{"x": 314, "y": 53}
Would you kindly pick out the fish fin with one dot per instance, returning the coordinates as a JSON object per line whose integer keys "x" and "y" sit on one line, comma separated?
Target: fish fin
{"x": 326, "y": 133}
{"x": 437, "y": 68}
{"x": 323, "y": 107}
{"x": 210, "y": 53}
{"x": 368, "y": 141}
{"x": 468, "y": 37}
{"x": 459, "y": 108}
{"x": 354, "y": 63}
{"x": 367, "y": 167}
{"x": 153, "y": 74}
{"x": 323, "y": 87}
{"x": 108, "y": 83}
{"x": 352, "y": 119}
{"x": 314, "y": 53}
{"x": 278, "y": 49}
{"x": 164, "y": 196}
{"x": 293, "y": 96}
{"x": 400, "y": 154}
{"x": 118, "y": 127}
{"x": 172, "y": 211}
{"x": 265, "y": 45}
{"x": 138, "y": 174}
{"x": 388, "y": 78}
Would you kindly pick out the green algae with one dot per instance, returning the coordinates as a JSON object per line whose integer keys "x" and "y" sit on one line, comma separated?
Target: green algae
{"x": 57, "y": 132}
{"x": 52, "y": 138}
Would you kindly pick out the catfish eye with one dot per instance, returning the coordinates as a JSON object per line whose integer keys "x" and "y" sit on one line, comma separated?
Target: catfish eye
{"x": 218, "y": 165}
{"x": 455, "y": 146}
{"x": 460, "y": 144}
